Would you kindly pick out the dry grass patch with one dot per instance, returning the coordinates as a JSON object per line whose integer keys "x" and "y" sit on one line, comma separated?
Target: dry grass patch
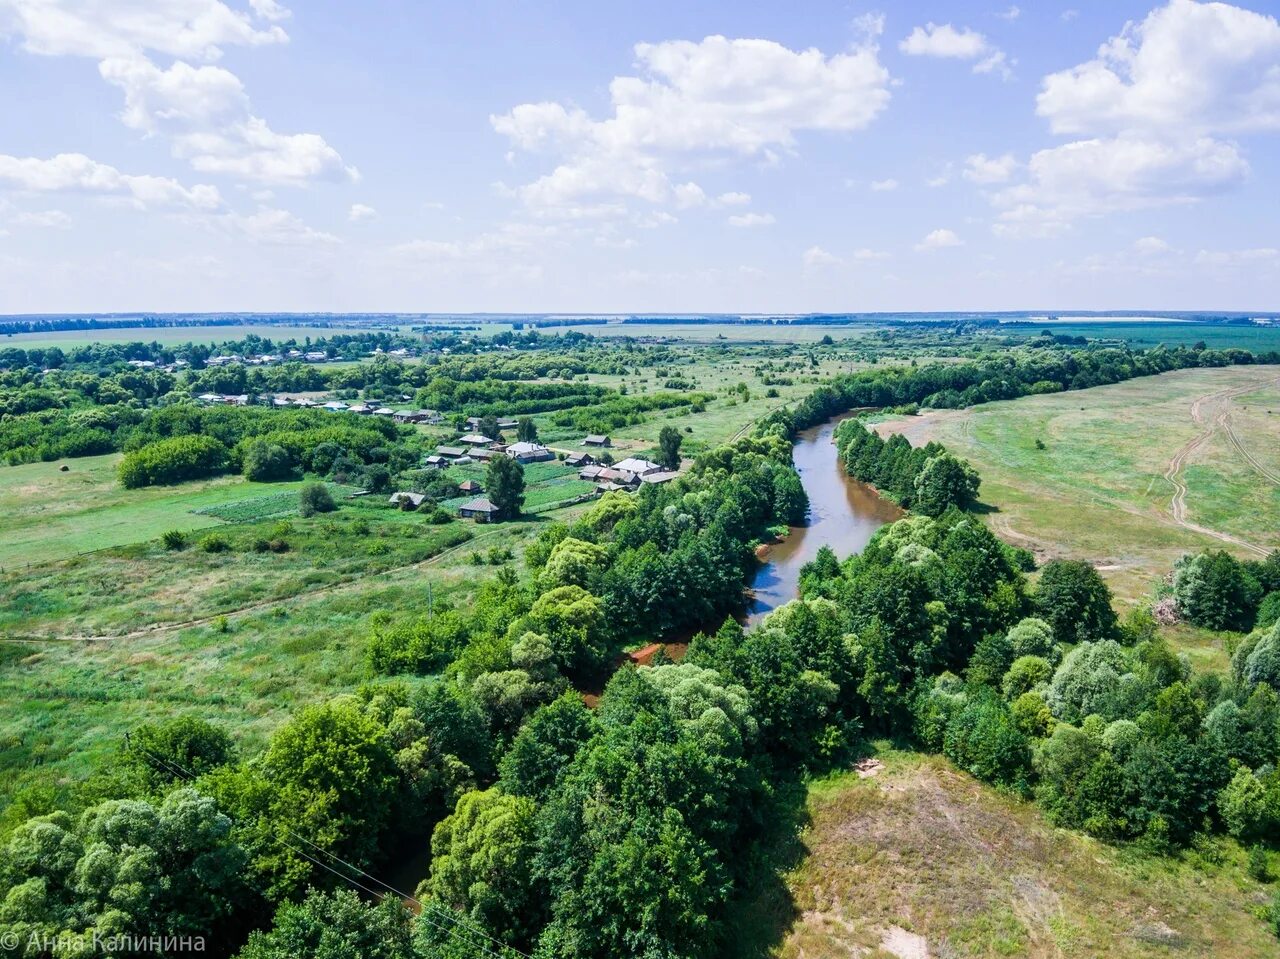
{"x": 922, "y": 857}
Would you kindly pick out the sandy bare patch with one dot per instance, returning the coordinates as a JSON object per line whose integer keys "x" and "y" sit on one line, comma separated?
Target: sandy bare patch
{"x": 903, "y": 944}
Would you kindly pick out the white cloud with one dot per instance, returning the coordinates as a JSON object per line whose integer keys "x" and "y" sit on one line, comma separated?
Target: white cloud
{"x": 198, "y": 29}
{"x": 360, "y": 211}
{"x": 751, "y": 219}
{"x": 865, "y": 253}
{"x": 713, "y": 99}
{"x": 733, "y": 199}
{"x": 203, "y": 110}
{"x": 53, "y": 219}
{"x": 1154, "y": 102}
{"x": 1095, "y": 177}
{"x": 689, "y": 195}
{"x": 944, "y": 40}
{"x": 206, "y": 114}
{"x": 980, "y": 168}
{"x": 1194, "y": 68}
{"x": 1069, "y": 14}
{"x": 1010, "y": 14}
{"x": 76, "y": 173}
{"x": 276, "y": 228}
{"x": 882, "y": 186}
{"x": 938, "y": 240}
{"x": 816, "y": 258}
{"x": 1266, "y": 257}
{"x": 1150, "y": 246}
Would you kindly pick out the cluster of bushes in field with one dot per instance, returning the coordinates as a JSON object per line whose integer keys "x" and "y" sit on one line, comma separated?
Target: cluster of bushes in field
{"x": 1215, "y": 590}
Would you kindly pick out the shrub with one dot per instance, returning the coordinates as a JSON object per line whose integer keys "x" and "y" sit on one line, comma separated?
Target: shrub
{"x": 174, "y": 539}
{"x": 265, "y": 461}
{"x": 172, "y": 460}
{"x": 439, "y": 516}
{"x": 1269, "y": 610}
{"x": 215, "y": 543}
{"x": 1259, "y": 866}
{"x": 315, "y": 498}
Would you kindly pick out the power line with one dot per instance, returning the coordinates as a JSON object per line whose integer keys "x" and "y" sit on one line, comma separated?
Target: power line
{"x": 178, "y": 771}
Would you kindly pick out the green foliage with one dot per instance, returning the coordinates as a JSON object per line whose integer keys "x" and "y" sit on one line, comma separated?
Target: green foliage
{"x": 504, "y": 486}
{"x": 179, "y": 749}
{"x": 983, "y": 739}
{"x": 1076, "y": 603}
{"x": 264, "y": 461}
{"x": 214, "y": 543}
{"x": 1269, "y": 610}
{"x": 173, "y": 460}
{"x": 482, "y": 860}
{"x": 315, "y": 498}
{"x": 945, "y": 481}
{"x": 526, "y": 431}
{"x": 669, "y": 440}
{"x": 336, "y": 925}
{"x": 1024, "y": 675}
{"x": 174, "y": 539}
{"x": 1216, "y": 591}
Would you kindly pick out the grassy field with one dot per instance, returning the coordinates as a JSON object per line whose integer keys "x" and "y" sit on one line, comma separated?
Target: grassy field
{"x": 1146, "y": 334}
{"x": 51, "y": 515}
{"x": 171, "y": 335}
{"x": 923, "y": 861}
{"x": 102, "y": 642}
{"x": 1132, "y": 475}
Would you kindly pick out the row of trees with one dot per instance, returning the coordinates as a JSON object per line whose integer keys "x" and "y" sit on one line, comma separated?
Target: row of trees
{"x": 926, "y": 479}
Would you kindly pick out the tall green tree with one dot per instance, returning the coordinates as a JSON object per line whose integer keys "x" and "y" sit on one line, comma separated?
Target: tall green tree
{"x": 1074, "y": 600}
{"x": 504, "y": 485}
{"x": 526, "y": 431}
{"x": 669, "y": 440}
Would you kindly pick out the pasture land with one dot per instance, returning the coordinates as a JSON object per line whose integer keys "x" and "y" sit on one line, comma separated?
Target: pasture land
{"x": 99, "y": 643}
{"x": 174, "y": 335}
{"x": 1144, "y": 334}
{"x": 51, "y": 514}
{"x": 1131, "y": 475}
{"x": 922, "y": 860}
{"x": 736, "y": 333}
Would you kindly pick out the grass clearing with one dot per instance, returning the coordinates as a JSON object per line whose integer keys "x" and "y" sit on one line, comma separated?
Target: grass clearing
{"x": 926, "y": 850}
{"x": 1098, "y": 489}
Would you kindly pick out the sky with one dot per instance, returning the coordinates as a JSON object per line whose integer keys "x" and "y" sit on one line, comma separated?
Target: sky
{"x": 751, "y": 157}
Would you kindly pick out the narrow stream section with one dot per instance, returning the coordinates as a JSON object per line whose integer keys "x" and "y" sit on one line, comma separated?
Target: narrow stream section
{"x": 843, "y": 514}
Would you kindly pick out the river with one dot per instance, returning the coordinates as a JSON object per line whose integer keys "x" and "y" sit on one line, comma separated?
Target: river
{"x": 843, "y": 514}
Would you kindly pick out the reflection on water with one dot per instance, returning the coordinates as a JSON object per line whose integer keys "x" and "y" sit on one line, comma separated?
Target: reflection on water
{"x": 843, "y": 514}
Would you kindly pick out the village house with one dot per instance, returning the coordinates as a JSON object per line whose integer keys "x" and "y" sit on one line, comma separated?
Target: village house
{"x": 479, "y": 509}
{"x": 335, "y": 406}
{"x": 662, "y": 476}
{"x": 470, "y": 486}
{"x": 473, "y": 423}
{"x": 438, "y": 462}
{"x": 598, "y": 441}
{"x": 579, "y": 460}
{"x": 484, "y": 455}
{"x": 529, "y": 452}
{"x": 399, "y": 499}
{"x": 361, "y": 408}
{"x": 637, "y": 466}
{"x": 384, "y": 411}
{"x": 476, "y": 439}
{"x": 451, "y": 452}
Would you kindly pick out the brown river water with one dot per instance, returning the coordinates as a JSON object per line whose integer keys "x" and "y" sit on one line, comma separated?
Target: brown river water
{"x": 843, "y": 514}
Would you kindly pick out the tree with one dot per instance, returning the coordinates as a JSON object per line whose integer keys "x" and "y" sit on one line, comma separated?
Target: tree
{"x": 1074, "y": 600}
{"x": 181, "y": 748}
{"x": 315, "y": 498}
{"x": 1216, "y": 591}
{"x": 488, "y": 426}
{"x": 669, "y": 440}
{"x": 504, "y": 486}
{"x": 264, "y": 462}
{"x": 545, "y": 746}
{"x": 335, "y": 925}
{"x": 945, "y": 481}
{"x": 526, "y": 430}
{"x": 1088, "y": 681}
{"x": 481, "y": 862}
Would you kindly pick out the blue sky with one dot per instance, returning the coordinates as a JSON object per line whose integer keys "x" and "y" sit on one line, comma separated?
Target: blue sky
{"x": 177, "y": 155}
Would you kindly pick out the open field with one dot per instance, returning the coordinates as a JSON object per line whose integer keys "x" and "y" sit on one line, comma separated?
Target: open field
{"x": 923, "y": 861}
{"x": 737, "y": 333}
{"x": 137, "y": 633}
{"x": 52, "y": 515}
{"x": 1131, "y": 475}
{"x": 1144, "y": 334}
{"x": 171, "y": 335}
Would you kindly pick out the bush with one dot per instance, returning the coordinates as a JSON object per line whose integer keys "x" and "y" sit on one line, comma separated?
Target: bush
{"x": 215, "y": 543}
{"x": 1269, "y": 610}
{"x": 265, "y": 461}
{"x": 174, "y": 539}
{"x": 172, "y": 461}
{"x": 315, "y": 498}
{"x": 439, "y": 516}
